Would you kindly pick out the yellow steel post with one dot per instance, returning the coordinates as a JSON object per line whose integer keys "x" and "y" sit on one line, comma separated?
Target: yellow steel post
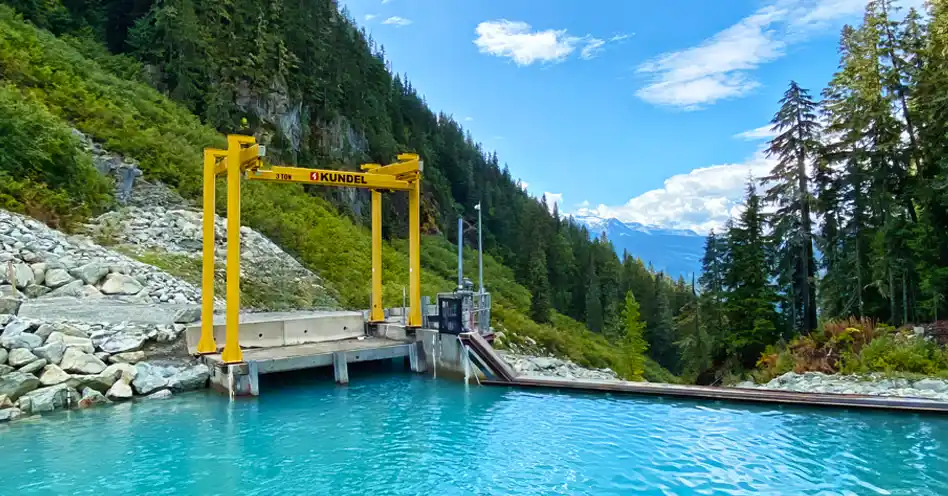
{"x": 232, "y": 352}
{"x": 207, "y": 344}
{"x": 414, "y": 250}
{"x": 378, "y": 313}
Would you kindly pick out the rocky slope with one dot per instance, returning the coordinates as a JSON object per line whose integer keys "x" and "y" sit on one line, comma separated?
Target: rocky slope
{"x": 39, "y": 262}
{"x": 48, "y": 366}
{"x": 873, "y": 385}
{"x": 541, "y": 366}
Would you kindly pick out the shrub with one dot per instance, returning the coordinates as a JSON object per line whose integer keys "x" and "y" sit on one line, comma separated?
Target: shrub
{"x": 854, "y": 346}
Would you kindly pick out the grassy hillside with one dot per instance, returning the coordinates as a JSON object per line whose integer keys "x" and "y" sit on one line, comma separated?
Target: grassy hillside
{"x": 65, "y": 88}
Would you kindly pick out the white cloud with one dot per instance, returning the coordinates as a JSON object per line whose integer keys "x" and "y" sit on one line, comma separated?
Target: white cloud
{"x": 518, "y": 41}
{"x": 721, "y": 66}
{"x": 620, "y": 37}
{"x": 369, "y": 17}
{"x": 763, "y": 132}
{"x": 397, "y": 21}
{"x": 715, "y": 69}
{"x": 553, "y": 199}
{"x": 468, "y": 119}
{"x": 385, "y": 1}
{"x": 701, "y": 200}
{"x": 592, "y": 48}
{"x": 524, "y": 185}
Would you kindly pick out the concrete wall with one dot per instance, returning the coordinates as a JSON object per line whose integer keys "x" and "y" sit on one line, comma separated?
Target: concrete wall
{"x": 267, "y": 330}
{"x": 444, "y": 354}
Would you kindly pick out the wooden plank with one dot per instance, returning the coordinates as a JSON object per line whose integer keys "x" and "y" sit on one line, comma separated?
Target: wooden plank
{"x": 732, "y": 394}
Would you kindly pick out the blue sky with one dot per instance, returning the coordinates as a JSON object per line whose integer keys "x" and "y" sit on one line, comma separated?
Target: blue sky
{"x": 643, "y": 111}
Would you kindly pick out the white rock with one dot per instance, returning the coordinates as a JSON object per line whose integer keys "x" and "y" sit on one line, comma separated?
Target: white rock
{"x": 148, "y": 379}
{"x": 120, "y": 284}
{"x": 159, "y": 395}
{"x": 91, "y": 397}
{"x": 5, "y": 402}
{"x": 122, "y": 370}
{"x": 34, "y": 366}
{"x": 53, "y": 375}
{"x": 73, "y": 289}
{"x": 50, "y": 398}
{"x": 23, "y": 275}
{"x": 190, "y": 378}
{"x": 57, "y": 277}
{"x": 100, "y": 382}
{"x": 16, "y": 384}
{"x": 91, "y": 273}
{"x": 8, "y": 414}
{"x": 122, "y": 342}
{"x": 15, "y": 326}
{"x": 131, "y": 357}
{"x": 39, "y": 272}
{"x": 934, "y": 385}
{"x": 22, "y": 340}
{"x": 81, "y": 363}
{"x": 52, "y": 352}
{"x": 19, "y": 357}
{"x": 82, "y": 344}
{"x": 3, "y": 356}
{"x": 121, "y": 390}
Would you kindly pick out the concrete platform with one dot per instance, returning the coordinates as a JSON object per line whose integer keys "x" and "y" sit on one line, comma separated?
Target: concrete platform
{"x": 276, "y": 329}
{"x": 731, "y": 394}
{"x": 307, "y": 356}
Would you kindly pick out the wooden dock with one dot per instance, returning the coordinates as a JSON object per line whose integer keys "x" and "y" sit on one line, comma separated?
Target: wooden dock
{"x": 730, "y": 394}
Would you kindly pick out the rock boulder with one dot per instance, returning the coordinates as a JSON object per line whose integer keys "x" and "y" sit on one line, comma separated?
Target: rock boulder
{"x": 52, "y": 352}
{"x": 20, "y": 357}
{"x": 120, "y": 284}
{"x": 34, "y": 366}
{"x": 16, "y": 384}
{"x": 78, "y": 362}
{"x": 119, "y": 391}
{"x": 53, "y": 375}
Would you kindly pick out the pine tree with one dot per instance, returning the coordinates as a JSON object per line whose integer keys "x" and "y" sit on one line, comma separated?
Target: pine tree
{"x": 795, "y": 147}
{"x": 661, "y": 333}
{"x": 594, "y": 317}
{"x": 634, "y": 342}
{"x": 541, "y": 305}
{"x": 751, "y": 300}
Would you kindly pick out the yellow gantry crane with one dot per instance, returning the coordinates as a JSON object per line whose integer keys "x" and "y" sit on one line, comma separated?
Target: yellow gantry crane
{"x": 243, "y": 158}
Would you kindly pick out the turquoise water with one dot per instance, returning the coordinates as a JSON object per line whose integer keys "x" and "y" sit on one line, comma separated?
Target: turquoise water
{"x": 406, "y": 434}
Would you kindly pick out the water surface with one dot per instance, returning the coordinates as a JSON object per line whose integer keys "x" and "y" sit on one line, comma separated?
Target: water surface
{"x": 407, "y": 434}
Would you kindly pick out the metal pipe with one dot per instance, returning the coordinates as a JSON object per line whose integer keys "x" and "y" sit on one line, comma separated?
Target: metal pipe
{"x": 480, "y": 252}
{"x": 460, "y": 253}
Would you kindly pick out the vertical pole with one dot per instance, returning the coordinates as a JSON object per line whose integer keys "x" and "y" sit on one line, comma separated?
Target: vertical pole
{"x": 460, "y": 253}
{"x": 378, "y": 313}
{"x": 232, "y": 353}
{"x": 414, "y": 248}
{"x": 207, "y": 344}
{"x": 480, "y": 252}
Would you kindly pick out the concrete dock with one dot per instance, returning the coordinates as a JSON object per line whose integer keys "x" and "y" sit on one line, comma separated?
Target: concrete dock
{"x": 312, "y": 355}
{"x": 285, "y": 341}
{"x": 730, "y": 394}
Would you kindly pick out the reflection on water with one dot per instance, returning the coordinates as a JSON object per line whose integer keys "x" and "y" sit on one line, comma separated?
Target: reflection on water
{"x": 395, "y": 433}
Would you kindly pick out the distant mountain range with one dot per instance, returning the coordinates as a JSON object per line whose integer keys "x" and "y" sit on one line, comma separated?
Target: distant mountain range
{"x": 673, "y": 251}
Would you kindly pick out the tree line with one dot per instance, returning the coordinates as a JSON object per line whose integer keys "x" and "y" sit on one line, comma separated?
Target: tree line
{"x": 853, "y": 218}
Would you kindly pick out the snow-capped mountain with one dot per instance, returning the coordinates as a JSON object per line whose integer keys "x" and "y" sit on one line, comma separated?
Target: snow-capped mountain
{"x": 674, "y": 251}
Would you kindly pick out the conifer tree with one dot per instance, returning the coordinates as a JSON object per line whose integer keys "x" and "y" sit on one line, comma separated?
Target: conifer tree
{"x": 795, "y": 147}
{"x": 635, "y": 345}
{"x": 594, "y": 317}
